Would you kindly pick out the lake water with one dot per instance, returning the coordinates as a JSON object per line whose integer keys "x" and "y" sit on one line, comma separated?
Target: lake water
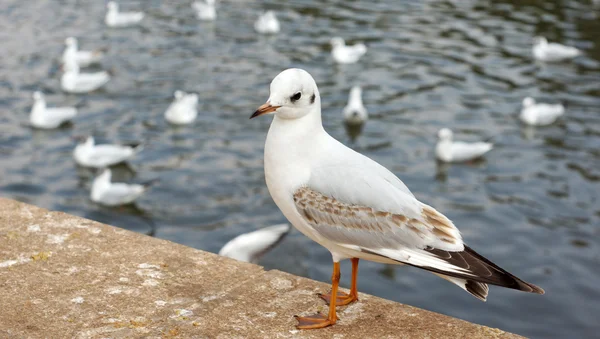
{"x": 532, "y": 206}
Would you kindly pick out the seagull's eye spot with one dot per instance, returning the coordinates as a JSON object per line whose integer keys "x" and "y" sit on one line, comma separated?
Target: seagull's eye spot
{"x": 312, "y": 99}
{"x": 296, "y": 97}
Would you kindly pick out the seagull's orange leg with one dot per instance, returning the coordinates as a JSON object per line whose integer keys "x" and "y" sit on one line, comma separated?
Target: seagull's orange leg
{"x": 319, "y": 320}
{"x": 346, "y": 298}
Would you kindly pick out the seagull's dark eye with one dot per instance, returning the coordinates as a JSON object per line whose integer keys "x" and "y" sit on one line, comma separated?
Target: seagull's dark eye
{"x": 296, "y": 97}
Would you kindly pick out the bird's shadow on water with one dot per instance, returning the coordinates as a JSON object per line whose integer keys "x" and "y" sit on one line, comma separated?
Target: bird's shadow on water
{"x": 130, "y": 217}
{"x": 442, "y": 168}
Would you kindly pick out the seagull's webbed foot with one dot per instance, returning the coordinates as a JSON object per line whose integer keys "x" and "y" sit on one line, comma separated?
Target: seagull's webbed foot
{"x": 315, "y": 321}
{"x": 342, "y": 298}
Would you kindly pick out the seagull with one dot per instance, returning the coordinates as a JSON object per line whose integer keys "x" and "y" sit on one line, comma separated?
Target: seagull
{"x": 87, "y": 154}
{"x": 72, "y": 81}
{"x": 355, "y": 207}
{"x": 249, "y": 247}
{"x": 182, "y": 110}
{"x": 205, "y": 10}
{"x": 540, "y": 114}
{"x": 447, "y": 150}
{"x": 48, "y": 118}
{"x": 354, "y": 112}
{"x": 544, "y": 51}
{"x": 114, "y": 194}
{"x": 114, "y": 18}
{"x": 343, "y": 54}
{"x": 267, "y": 23}
{"x": 83, "y": 58}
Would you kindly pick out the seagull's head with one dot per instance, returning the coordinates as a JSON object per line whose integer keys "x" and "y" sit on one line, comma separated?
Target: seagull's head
{"x": 37, "y": 96}
{"x": 294, "y": 94}
{"x": 112, "y": 6}
{"x": 70, "y": 41}
{"x": 337, "y": 41}
{"x": 445, "y": 134}
{"x": 179, "y": 94}
{"x": 540, "y": 40}
{"x": 528, "y": 102}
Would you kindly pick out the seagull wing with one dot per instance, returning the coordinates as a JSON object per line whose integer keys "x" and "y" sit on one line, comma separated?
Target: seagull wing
{"x": 251, "y": 246}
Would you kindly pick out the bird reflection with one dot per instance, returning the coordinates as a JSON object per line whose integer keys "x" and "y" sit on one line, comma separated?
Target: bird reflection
{"x": 353, "y": 130}
{"x": 441, "y": 173}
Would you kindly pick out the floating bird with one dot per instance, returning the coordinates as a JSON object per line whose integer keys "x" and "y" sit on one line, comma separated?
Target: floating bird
{"x": 545, "y": 51}
{"x": 249, "y": 247}
{"x": 457, "y": 151}
{"x": 355, "y": 112}
{"x": 267, "y": 23}
{"x": 114, "y": 18}
{"x": 182, "y": 110}
{"x": 88, "y": 154}
{"x": 48, "y": 118}
{"x": 73, "y": 81}
{"x": 108, "y": 193}
{"x": 355, "y": 207}
{"x": 343, "y": 54}
{"x": 83, "y": 58}
{"x": 535, "y": 114}
{"x": 205, "y": 10}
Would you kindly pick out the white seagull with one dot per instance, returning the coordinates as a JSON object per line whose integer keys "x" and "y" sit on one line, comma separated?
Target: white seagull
{"x": 88, "y": 154}
{"x": 73, "y": 81}
{"x": 355, "y": 207}
{"x": 83, "y": 58}
{"x": 114, "y": 18}
{"x": 355, "y": 112}
{"x": 48, "y": 118}
{"x": 343, "y": 54}
{"x": 535, "y": 114}
{"x": 108, "y": 193}
{"x": 205, "y": 10}
{"x": 267, "y": 23}
{"x": 182, "y": 110}
{"x": 545, "y": 51}
{"x": 250, "y": 247}
{"x": 448, "y": 150}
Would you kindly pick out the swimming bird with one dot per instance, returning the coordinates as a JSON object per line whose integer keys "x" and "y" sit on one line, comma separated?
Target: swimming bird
{"x": 88, "y": 154}
{"x": 73, "y": 81}
{"x": 541, "y": 114}
{"x": 205, "y": 10}
{"x": 267, "y": 23}
{"x": 343, "y": 54}
{"x": 448, "y": 150}
{"x": 107, "y": 193}
{"x": 355, "y": 207}
{"x": 182, "y": 110}
{"x": 249, "y": 247}
{"x": 47, "y": 118}
{"x": 83, "y": 58}
{"x": 545, "y": 51}
{"x": 114, "y": 18}
{"x": 355, "y": 112}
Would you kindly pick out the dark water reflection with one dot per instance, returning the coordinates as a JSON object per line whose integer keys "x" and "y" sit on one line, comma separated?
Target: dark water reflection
{"x": 532, "y": 205}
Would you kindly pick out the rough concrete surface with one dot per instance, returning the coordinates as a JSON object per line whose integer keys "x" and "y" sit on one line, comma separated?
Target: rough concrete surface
{"x": 63, "y": 276}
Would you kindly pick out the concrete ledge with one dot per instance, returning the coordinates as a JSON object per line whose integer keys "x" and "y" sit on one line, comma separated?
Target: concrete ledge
{"x": 63, "y": 276}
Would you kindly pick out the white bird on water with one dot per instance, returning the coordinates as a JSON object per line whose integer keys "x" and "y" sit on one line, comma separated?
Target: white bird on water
{"x": 355, "y": 112}
{"x": 355, "y": 207}
{"x": 541, "y": 114}
{"x": 205, "y": 10}
{"x": 545, "y": 51}
{"x": 88, "y": 154}
{"x": 250, "y": 247}
{"x": 114, "y": 18}
{"x": 107, "y": 193}
{"x": 47, "y": 118}
{"x": 343, "y": 54}
{"x": 448, "y": 150}
{"x": 182, "y": 110}
{"x": 73, "y": 81}
{"x": 83, "y": 58}
{"x": 267, "y": 23}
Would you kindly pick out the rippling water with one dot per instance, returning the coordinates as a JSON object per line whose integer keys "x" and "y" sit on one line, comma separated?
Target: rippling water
{"x": 532, "y": 206}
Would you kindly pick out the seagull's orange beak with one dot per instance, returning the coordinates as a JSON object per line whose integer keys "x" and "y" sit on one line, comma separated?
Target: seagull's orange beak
{"x": 266, "y": 108}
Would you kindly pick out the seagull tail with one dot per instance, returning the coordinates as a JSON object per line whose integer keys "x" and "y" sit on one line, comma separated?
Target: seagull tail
{"x": 150, "y": 183}
{"x": 477, "y": 289}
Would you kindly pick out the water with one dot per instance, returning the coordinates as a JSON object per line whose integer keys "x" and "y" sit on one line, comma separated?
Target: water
{"x": 532, "y": 206}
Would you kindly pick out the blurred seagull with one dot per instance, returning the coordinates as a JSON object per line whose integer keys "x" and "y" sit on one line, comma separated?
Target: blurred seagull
{"x": 87, "y": 154}
{"x": 545, "y": 51}
{"x": 267, "y": 23}
{"x": 107, "y": 193}
{"x": 205, "y": 9}
{"x": 83, "y": 58}
{"x": 535, "y": 114}
{"x": 354, "y": 112}
{"x": 457, "y": 151}
{"x": 249, "y": 247}
{"x": 343, "y": 54}
{"x": 182, "y": 110}
{"x": 114, "y": 18}
{"x": 47, "y": 118}
{"x": 73, "y": 81}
